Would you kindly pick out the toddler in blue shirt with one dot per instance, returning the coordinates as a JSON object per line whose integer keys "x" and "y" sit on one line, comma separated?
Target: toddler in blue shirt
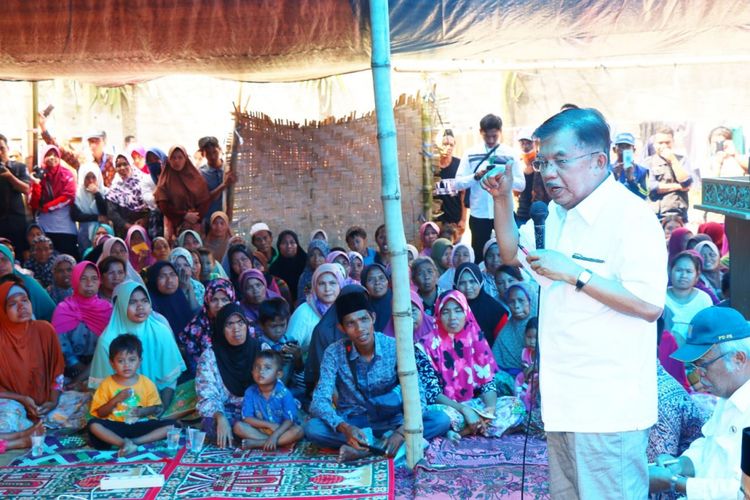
{"x": 269, "y": 411}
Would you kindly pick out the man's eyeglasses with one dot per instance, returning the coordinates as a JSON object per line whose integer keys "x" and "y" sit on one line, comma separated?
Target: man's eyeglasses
{"x": 702, "y": 368}
{"x": 542, "y": 164}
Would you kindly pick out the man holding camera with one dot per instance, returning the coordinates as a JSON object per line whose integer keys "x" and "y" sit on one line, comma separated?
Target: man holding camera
{"x": 14, "y": 184}
{"x": 476, "y": 162}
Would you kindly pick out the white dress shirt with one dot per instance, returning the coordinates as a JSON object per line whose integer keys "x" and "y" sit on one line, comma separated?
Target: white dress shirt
{"x": 482, "y": 205}
{"x": 597, "y": 365}
{"x": 716, "y": 456}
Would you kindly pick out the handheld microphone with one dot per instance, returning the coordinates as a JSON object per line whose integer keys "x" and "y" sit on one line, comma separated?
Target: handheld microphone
{"x": 538, "y": 213}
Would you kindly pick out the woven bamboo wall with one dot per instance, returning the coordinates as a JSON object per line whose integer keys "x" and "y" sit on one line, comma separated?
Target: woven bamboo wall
{"x": 323, "y": 174}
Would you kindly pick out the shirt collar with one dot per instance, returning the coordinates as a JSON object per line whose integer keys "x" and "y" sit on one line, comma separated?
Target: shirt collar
{"x": 594, "y": 204}
{"x": 741, "y": 397}
{"x": 354, "y": 353}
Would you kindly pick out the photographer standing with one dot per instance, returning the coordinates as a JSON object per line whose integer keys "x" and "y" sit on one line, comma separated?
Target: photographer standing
{"x": 14, "y": 184}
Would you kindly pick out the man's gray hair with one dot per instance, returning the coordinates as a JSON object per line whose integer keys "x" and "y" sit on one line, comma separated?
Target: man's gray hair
{"x": 733, "y": 347}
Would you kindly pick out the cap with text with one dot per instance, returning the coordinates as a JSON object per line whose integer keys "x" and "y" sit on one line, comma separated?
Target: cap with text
{"x": 709, "y": 327}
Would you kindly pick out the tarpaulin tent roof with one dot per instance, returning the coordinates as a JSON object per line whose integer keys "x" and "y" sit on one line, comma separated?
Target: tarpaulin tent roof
{"x": 122, "y": 41}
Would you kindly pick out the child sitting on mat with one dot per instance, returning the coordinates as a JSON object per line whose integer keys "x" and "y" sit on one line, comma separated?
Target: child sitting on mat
{"x": 126, "y": 403}
{"x": 269, "y": 411}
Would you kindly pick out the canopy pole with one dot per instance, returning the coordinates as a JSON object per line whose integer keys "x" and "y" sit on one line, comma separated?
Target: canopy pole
{"x": 33, "y": 135}
{"x": 394, "y": 224}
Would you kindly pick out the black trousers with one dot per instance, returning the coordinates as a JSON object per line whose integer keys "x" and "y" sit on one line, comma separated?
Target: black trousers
{"x": 129, "y": 431}
{"x": 481, "y": 231}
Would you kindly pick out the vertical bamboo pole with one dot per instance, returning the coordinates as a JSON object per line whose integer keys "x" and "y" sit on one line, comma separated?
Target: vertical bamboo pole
{"x": 33, "y": 136}
{"x": 394, "y": 224}
{"x": 427, "y": 149}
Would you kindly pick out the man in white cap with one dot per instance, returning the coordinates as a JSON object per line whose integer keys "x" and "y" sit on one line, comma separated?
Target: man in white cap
{"x": 262, "y": 239}
{"x": 718, "y": 349}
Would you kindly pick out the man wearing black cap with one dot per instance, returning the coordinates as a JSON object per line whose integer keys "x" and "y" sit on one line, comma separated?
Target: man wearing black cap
{"x": 361, "y": 369}
{"x": 213, "y": 171}
{"x": 718, "y": 349}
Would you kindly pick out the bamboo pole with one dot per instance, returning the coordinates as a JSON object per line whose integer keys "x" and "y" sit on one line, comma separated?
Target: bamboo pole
{"x": 391, "y": 196}
{"x": 427, "y": 149}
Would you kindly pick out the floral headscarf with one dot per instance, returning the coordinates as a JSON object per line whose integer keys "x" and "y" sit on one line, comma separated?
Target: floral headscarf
{"x": 196, "y": 336}
{"x": 128, "y": 193}
{"x": 463, "y": 361}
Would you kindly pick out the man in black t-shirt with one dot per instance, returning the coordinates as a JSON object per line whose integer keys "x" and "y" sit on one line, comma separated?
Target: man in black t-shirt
{"x": 453, "y": 209}
{"x": 14, "y": 184}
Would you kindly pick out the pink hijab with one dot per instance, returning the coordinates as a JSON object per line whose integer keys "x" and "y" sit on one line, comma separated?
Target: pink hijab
{"x": 464, "y": 361}
{"x": 93, "y": 311}
{"x": 422, "y": 229}
{"x": 425, "y": 328}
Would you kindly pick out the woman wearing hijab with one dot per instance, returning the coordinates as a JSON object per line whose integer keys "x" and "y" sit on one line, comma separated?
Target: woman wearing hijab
{"x": 166, "y": 297}
{"x": 428, "y": 233}
{"x": 441, "y": 254}
{"x": 356, "y": 264}
{"x": 423, "y": 323}
{"x": 317, "y": 251}
{"x": 194, "y": 291}
{"x": 291, "y": 261}
{"x": 239, "y": 261}
{"x": 126, "y": 199}
{"x": 276, "y": 285}
{"x": 139, "y": 248}
{"x": 678, "y": 242}
{"x": 31, "y": 362}
{"x": 224, "y": 373}
{"x": 51, "y": 199}
{"x": 97, "y": 232}
{"x": 683, "y": 299}
{"x": 254, "y": 290}
{"x": 182, "y": 194}
{"x": 325, "y": 287}
{"x": 90, "y": 204}
{"x": 461, "y": 253}
{"x": 490, "y": 314}
{"x": 509, "y": 344}
{"x": 161, "y": 360}
{"x": 489, "y": 266}
{"x": 43, "y": 255}
{"x": 189, "y": 240}
{"x": 43, "y": 306}
{"x": 155, "y": 161}
{"x": 79, "y": 321}
{"x": 466, "y": 368}
{"x": 196, "y": 336}
{"x": 62, "y": 272}
{"x": 711, "y": 274}
{"x": 219, "y": 234}
{"x": 375, "y": 279}
{"x": 116, "y": 247}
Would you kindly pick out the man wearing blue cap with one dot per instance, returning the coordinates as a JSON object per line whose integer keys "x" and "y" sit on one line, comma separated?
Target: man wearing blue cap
{"x": 718, "y": 349}
{"x": 632, "y": 176}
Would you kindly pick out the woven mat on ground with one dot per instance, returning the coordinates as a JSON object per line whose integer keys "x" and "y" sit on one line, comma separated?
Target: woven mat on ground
{"x": 477, "y": 468}
{"x": 303, "y": 472}
{"x": 300, "y": 472}
{"x": 49, "y": 482}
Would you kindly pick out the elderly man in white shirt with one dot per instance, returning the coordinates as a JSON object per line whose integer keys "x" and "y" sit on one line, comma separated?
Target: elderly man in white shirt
{"x": 603, "y": 276}
{"x": 718, "y": 348}
{"x": 474, "y": 164}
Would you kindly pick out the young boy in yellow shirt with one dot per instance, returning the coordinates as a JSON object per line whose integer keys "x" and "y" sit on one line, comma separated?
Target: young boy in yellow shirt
{"x": 126, "y": 404}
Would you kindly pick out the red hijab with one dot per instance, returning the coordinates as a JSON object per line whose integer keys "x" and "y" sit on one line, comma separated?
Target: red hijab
{"x": 93, "y": 311}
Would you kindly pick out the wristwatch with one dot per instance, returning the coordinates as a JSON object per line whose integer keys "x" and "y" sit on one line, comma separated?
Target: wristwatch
{"x": 583, "y": 279}
{"x": 673, "y": 483}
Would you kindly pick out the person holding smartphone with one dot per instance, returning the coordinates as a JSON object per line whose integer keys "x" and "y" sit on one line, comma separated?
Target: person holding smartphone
{"x": 632, "y": 176}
